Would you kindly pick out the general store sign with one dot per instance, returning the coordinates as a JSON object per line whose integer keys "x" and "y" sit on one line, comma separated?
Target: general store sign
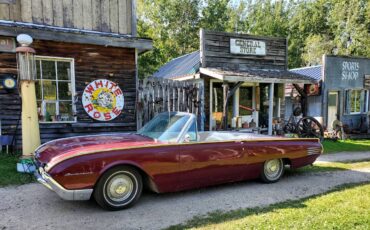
{"x": 247, "y": 47}
{"x": 103, "y": 100}
{"x": 7, "y": 44}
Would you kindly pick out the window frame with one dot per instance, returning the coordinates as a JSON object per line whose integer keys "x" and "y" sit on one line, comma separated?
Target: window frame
{"x": 57, "y": 101}
{"x": 364, "y": 105}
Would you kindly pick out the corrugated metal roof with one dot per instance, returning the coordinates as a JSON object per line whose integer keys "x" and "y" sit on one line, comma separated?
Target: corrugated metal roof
{"x": 313, "y": 72}
{"x": 181, "y": 66}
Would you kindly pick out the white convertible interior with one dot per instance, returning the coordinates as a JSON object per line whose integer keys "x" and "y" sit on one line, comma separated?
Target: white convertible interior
{"x": 228, "y": 136}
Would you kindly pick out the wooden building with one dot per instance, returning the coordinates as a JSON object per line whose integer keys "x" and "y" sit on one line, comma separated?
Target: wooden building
{"x": 76, "y": 43}
{"x": 243, "y": 77}
{"x": 344, "y": 93}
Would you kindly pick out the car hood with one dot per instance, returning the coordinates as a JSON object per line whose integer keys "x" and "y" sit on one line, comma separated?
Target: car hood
{"x": 68, "y": 147}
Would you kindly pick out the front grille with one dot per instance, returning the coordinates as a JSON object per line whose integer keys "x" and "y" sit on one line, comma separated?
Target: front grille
{"x": 313, "y": 150}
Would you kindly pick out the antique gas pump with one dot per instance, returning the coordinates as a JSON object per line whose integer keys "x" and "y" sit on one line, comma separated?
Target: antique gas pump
{"x": 26, "y": 74}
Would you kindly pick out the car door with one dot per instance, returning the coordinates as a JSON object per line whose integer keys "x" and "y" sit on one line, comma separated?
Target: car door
{"x": 205, "y": 164}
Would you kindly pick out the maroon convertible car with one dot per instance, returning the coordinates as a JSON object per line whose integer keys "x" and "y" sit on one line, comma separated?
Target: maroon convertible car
{"x": 168, "y": 154}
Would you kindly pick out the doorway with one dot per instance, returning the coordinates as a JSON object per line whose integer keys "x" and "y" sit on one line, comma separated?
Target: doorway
{"x": 333, "y": 111}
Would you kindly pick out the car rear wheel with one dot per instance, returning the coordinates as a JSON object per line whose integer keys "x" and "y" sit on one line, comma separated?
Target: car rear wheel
{"x": 118, "y": 188}
{"x": 272, "y": 171}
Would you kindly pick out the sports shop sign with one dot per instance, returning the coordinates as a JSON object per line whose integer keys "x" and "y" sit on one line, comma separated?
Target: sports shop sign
{"x": 103, "y": 100}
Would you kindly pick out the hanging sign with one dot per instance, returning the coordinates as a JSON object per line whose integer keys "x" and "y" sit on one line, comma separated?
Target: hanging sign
{"x": 7, "y": 44}
{"x": 312, "y": 89}
{"x": 367, "y": 82}
{"x": 103, "y": 100}
{"x": 247, "y": 47}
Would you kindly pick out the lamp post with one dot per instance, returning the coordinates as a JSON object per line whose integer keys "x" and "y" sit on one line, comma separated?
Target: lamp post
{"x": 27, "y": 74}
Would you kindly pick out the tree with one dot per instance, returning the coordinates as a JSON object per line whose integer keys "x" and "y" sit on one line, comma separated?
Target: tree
{"x": 216, "y": 15}
{"x": 173, "y": 25}
{"x": 315, "y": 47}
{"x": 312, "y": 27}
{"x": 349, "y": 21}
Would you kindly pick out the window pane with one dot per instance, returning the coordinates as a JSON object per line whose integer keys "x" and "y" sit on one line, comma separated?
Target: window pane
{"x": 64, "y": 70}
{"x": 355, "y": 101}
{"x": 50, "y": 90}
{"x": 38, "y": 90}
{"x": 64, "y": 90}
{"x": 192, "y": 132}
{"x": 39, "y": 110}
{"x": 38, "y": 75}
{"x": 50, "y": 112}
{"x": 65, "y": 111}
{"x": 48, "y": 70}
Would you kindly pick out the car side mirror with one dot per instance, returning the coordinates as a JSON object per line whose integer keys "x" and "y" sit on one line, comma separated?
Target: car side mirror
{"x": 187, "y": 138}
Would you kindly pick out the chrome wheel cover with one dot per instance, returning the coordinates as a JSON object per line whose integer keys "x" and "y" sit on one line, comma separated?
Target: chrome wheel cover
{"x": 119, "y": 188}
{"x": 273, "y": 169}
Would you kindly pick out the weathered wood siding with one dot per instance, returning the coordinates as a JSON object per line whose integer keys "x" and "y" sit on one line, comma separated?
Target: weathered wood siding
{"x": 91, "y": 63}
{"x": 215, "y": 52}
{"x": 116, "y": 16}
{"x": 156, "y": 95}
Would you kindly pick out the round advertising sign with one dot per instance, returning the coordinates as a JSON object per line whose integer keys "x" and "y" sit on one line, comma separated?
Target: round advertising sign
{"x": 103, "y": 100}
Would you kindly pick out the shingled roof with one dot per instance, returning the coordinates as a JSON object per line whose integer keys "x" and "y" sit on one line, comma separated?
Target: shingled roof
{"x": 313, "y": 72}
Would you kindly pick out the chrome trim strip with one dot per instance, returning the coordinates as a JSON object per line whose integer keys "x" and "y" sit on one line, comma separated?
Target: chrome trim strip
{"x": 46, "y": 180}
{"x": 314, "y": 150}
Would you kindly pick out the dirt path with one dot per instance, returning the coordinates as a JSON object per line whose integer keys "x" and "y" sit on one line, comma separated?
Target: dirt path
{"x": 34, "y": 207}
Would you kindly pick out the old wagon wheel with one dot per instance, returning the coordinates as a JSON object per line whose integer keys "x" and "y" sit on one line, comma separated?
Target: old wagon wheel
{"x": 310, "y": 127}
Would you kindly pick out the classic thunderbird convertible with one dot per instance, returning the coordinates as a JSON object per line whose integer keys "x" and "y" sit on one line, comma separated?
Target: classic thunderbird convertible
{"x": 168, "y": 154}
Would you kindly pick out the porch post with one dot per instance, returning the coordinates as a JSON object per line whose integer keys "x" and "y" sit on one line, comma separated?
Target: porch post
{"x": 271, "y": 108}
{"x": 236, "y": 103}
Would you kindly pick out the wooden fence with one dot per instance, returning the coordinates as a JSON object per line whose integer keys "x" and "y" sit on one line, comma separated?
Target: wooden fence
{"x": 157, "y": 95}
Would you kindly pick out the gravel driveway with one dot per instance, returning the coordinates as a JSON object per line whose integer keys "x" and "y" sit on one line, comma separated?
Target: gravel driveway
{"x": 34, "y": 207}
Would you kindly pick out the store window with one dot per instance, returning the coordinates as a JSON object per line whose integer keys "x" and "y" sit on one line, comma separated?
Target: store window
{"x": 55, "y": 89}
{"x": 245, "y": 101}
{"x": 357, "y": 101}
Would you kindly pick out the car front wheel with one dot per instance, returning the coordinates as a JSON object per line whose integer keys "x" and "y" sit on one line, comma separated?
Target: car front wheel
{"x": 118, "y": 188}
{"x": 272, "y": 170}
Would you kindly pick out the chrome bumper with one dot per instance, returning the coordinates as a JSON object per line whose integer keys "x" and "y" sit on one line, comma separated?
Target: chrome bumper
{"x": 44, "y": 178}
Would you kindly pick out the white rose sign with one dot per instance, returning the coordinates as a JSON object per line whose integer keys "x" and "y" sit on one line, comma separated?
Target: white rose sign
{"x": 103, "y": 100}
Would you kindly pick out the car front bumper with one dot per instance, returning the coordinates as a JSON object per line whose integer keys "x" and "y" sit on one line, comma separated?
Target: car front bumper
{"x": 66, "y": 194}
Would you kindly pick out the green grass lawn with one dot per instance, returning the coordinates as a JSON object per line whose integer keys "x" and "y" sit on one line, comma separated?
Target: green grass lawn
{"x": 347, "y": 207}
{"x": 346, "y": 145}
{"x": 9, "y": 174}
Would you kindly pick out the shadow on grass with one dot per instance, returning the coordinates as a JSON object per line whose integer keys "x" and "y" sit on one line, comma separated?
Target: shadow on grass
{"x": 218, "y": 217}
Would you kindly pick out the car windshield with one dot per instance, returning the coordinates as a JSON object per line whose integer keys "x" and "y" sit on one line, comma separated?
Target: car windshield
{"x": 165, "y": 126}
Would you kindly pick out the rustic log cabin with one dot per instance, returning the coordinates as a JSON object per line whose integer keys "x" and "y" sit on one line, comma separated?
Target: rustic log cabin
{"x": 86, "y": 66}
{"x": 244, "y": 77}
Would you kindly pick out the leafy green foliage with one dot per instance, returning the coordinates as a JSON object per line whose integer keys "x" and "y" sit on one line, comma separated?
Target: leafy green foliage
{"x": 173, "y": 25}
{"x": 313, "y": 28}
